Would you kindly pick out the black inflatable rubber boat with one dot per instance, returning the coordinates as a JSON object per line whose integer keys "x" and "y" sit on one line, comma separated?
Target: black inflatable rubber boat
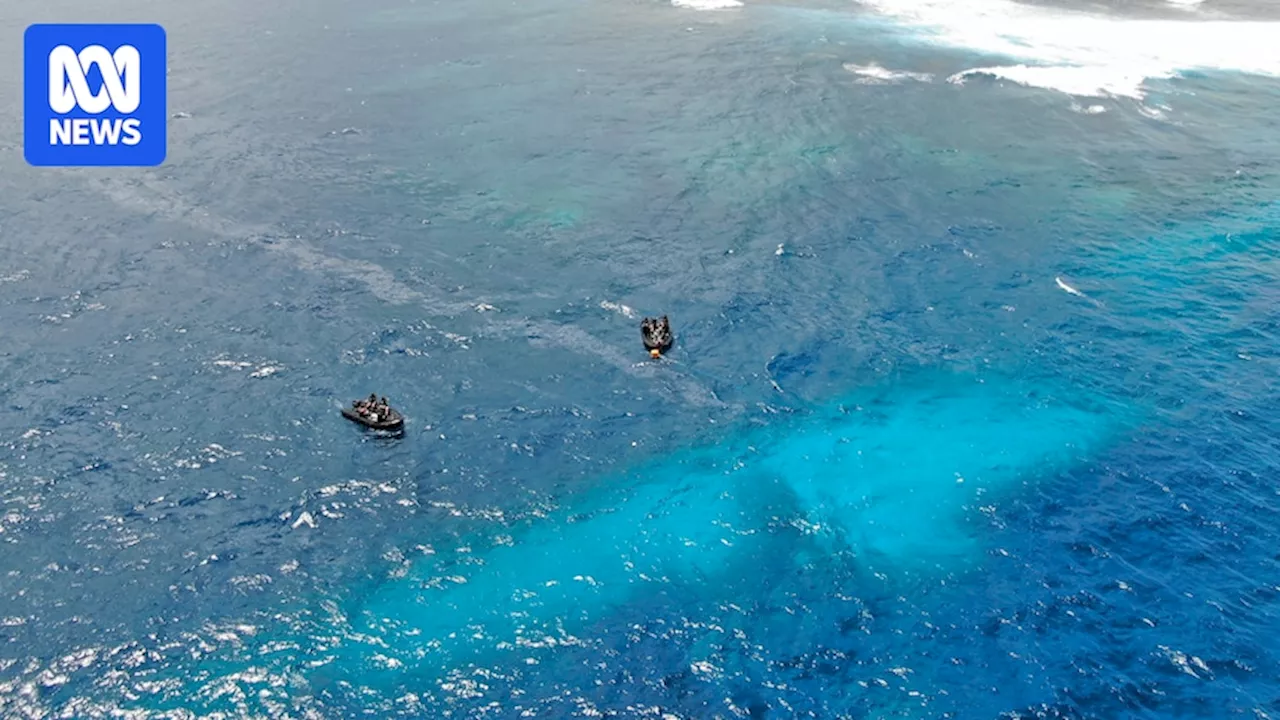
{"x": 394, "y": 420}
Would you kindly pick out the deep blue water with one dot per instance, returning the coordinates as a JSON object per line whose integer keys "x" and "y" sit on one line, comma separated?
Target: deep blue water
{"x": 971, "y": 412}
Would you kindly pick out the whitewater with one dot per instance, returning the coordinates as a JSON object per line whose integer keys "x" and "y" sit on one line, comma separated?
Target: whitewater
{"x": 1085, "y": 52}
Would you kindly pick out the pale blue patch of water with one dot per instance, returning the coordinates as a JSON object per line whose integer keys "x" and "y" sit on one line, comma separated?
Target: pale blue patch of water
{"x": 893, "y": 479}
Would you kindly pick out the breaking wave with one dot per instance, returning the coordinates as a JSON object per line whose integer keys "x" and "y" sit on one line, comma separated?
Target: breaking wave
{"x": 1086, "y": 54}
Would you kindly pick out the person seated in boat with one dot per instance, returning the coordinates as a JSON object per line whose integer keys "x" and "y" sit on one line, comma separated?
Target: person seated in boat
{"x": 649, "y": 330}
{"x": 364, "y": 406}
{"x": 656, "y": 334}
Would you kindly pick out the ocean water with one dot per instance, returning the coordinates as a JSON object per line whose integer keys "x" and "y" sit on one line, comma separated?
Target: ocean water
{"x": 971, "y": 412}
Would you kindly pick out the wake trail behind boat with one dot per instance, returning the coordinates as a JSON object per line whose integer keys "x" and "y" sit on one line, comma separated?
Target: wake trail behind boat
{"x": 155, "y": 198}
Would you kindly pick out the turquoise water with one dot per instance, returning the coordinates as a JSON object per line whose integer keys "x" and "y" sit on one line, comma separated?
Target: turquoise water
{"x": 883, "y": 481}
{"x": 894, "y": 483}
{"x": 970, "y": 412}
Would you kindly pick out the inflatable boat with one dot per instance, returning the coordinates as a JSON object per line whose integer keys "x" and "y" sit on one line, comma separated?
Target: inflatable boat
{"x": 394, "y": 420}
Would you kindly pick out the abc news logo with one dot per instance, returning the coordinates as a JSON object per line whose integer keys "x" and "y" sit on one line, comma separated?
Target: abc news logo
{"x": 95, "y": 95}
{"x": 69, "y": 89}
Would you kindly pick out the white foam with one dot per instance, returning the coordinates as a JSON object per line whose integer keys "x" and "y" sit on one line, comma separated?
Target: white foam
{"x": 873, "y": 73}
{"x": 265, "y": 371}
{"x": 1073, "y": 291}
{"x": 1086, "y": 54}
{"x": 1155, "y": 113}
{"x": 1067, "y": 287}
{"x": 618, "y": 308}
{"x": 707, "y": 4}
{"x": 1088, "y": 110}
{"x": 1087, "y": 81}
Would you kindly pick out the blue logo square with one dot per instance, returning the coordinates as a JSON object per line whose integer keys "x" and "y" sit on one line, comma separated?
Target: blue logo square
{"x": 94, "y": 95}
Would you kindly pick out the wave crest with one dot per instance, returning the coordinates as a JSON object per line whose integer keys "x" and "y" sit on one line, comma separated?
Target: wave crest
{"x": 707, "y": 4}
{"x": 873, "y": 73}
{"x": 1083, "y": 53}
